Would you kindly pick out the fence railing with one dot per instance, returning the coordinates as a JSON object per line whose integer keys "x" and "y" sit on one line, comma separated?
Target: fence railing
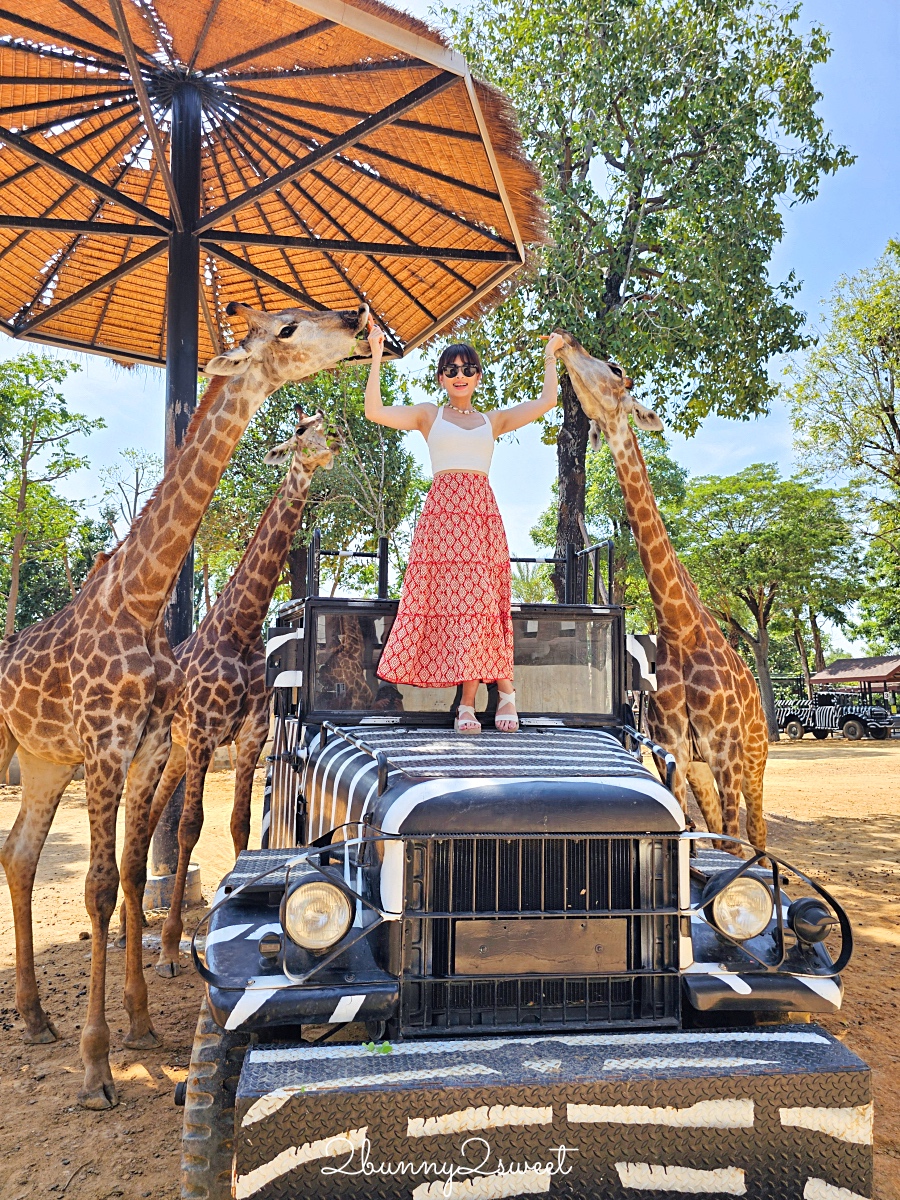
{"x": 575, "y": 572}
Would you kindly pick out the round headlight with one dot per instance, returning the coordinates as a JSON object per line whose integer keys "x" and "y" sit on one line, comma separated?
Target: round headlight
{"x": 316, "y": 915}
{"x": 742, "y": 909}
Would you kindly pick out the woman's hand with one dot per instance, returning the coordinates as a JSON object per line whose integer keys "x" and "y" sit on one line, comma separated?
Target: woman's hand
{"x": 555, "y": 343}
{"x": 376, "y": 342}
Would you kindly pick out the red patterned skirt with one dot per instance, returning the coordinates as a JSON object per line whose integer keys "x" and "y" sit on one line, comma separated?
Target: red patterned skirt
{"x": 453, "y": 622}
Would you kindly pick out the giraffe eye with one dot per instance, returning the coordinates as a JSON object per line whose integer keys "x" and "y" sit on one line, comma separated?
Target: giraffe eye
{"x": 286, "y": 331}
{"x": 616, "y": 370}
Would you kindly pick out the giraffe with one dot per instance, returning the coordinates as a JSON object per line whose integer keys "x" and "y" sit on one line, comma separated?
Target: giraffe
{"x": 345, "y": 666}
{"x": 225, "y": 697}
{"x": 97, "y": 684}
{"x": 706, "y": 708}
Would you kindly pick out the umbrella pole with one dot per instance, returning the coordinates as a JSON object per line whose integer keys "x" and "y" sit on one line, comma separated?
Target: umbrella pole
{"x": 182, "y": 349}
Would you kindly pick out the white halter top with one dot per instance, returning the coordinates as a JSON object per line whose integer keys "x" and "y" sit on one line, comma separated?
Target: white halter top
{"x": 453, "y": 448}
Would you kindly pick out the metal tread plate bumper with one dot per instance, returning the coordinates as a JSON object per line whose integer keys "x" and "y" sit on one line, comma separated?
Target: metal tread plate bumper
{"x": 782, "y": 1114}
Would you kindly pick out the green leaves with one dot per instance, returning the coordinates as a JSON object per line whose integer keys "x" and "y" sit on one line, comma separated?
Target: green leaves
{"x": 36, "y": 429}
{"x": 384, "y": 1048}
{"x": 846, "y": 413}
{"x": 669, "y": 134}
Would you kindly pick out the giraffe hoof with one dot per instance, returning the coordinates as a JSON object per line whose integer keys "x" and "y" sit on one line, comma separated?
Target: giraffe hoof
{"x": 99, "y": 1098}
{"x": 41, "y": 1037}
{"x": 142, "y": 1041}
{"x": 120, "y": 943}
{"x": 168, "y": 968}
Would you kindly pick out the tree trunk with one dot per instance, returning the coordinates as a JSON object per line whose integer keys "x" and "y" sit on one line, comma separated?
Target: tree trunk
{"x": 766, "y": 691}
{"x": 801, "y": 652}
{"x": 620, "y": 578}
{"x": 571, "y": 448}
{"x": 15, "y": 564}
{"x": 296, "y": 562}
{"x": 68, "y": 570}
{"x": 818, "y": 653}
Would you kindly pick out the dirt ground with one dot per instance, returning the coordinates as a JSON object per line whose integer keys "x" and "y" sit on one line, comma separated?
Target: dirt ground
{"x": 833, "y": 807}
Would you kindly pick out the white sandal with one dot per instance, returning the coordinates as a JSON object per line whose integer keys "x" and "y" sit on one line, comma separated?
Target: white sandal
{"x": 513, "y": 721}
{"x": 466, "y": 721}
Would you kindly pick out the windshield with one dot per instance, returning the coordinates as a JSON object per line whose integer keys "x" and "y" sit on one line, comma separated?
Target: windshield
{"x": 562, "y": 666}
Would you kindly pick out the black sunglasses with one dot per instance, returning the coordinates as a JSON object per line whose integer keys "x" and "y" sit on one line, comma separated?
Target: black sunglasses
{"x": 453, "y": 370}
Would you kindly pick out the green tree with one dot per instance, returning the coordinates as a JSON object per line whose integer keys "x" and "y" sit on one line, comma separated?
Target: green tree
{"x": 127, "y": 484}
{"x": 605, "y": 517}
{"x": 879, "y": 606}
{"x": 531, "y": 583}
{"x": 759, "y": 546}
{"x": 670, "y": 134}
{"x": 36, "y": 428}
{"x": 844, "y": 398}
{"x": 364, "y": 496}
{"x": 48, "y": 581}
{"x": 846, "y": 412}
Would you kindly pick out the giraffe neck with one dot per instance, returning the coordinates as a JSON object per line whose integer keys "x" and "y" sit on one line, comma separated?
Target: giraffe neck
{"x": 158, "y": 542}
{"x": 245, "y": 599}
{"x": 669, "y": 585}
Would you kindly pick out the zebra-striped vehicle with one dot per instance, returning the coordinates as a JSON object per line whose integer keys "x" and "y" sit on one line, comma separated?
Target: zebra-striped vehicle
{"x": 832, "y": 712}
{"x": 504, "y": 965}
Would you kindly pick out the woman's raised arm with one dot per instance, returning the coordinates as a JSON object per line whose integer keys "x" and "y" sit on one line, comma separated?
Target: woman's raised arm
{"x": 504, "y": 420}
{"x": 395, "y": 416}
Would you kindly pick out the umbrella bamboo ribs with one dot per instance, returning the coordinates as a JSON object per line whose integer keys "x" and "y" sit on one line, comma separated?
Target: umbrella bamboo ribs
{"x": 344, "y": 154}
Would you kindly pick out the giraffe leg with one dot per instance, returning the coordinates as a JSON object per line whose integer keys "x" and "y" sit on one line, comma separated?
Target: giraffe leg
{"x": 250, "y": 740}
{"x": 104, "y": 773}
{"x": 42, "y": 785}
{"x": 143, "y": 782}
{"x": 703, "y": 786}
{"x": 753, "y": 798}
{"x": 668, "y": 726}
{"x": 7, "y": 747}
{"x": 199, "y": 758}
{"x": 727, "y": 770}
{"x": 172, "y": 774}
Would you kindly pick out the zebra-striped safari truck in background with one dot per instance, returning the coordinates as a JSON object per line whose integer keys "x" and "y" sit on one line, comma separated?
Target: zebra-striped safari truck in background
{"x": 833, "y": 712}
{"x": 502, "y": 965}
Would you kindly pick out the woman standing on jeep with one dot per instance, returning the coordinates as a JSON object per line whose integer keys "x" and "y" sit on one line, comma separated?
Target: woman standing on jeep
{"x": 453, "y": 623}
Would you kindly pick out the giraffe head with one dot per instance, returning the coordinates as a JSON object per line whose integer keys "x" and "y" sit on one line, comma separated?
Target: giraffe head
{"x": 292, "y": 344}
{"x": 307, "y": 451}
{"x": 604, "y": 392}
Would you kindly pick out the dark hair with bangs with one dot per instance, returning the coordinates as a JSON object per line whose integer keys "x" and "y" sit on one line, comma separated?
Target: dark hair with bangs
{"x": 459, "y": 350}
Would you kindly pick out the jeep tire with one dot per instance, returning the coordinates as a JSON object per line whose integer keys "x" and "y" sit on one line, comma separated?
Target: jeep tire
{"x": 207, "y": 1143}
{"x": 853, "y": 730}
{"x": 821, "y": 734}
{"x": 794, "y": 730}
{"x": 879, "y": 732}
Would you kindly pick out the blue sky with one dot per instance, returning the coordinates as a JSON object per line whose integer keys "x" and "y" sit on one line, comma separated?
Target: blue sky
{"x": 843, "y": 230}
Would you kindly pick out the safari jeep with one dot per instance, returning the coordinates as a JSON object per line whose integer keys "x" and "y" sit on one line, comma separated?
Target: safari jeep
{"x": 502, "y": 965}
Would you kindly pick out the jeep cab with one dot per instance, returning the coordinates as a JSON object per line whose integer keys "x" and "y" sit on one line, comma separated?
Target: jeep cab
{"x": 501, "y": 964}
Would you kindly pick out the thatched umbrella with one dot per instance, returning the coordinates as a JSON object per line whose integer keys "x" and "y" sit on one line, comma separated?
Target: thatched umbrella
{"x": 160, "y": 159}
{"x": 170, "y": 157}
{"x": 163, "y": 157}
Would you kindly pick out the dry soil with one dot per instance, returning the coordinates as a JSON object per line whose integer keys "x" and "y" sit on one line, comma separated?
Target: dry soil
{"x": 833, "y": 807}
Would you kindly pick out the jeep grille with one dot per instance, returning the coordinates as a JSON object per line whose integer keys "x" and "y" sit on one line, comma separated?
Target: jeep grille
{"x": 454, "y": 879}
